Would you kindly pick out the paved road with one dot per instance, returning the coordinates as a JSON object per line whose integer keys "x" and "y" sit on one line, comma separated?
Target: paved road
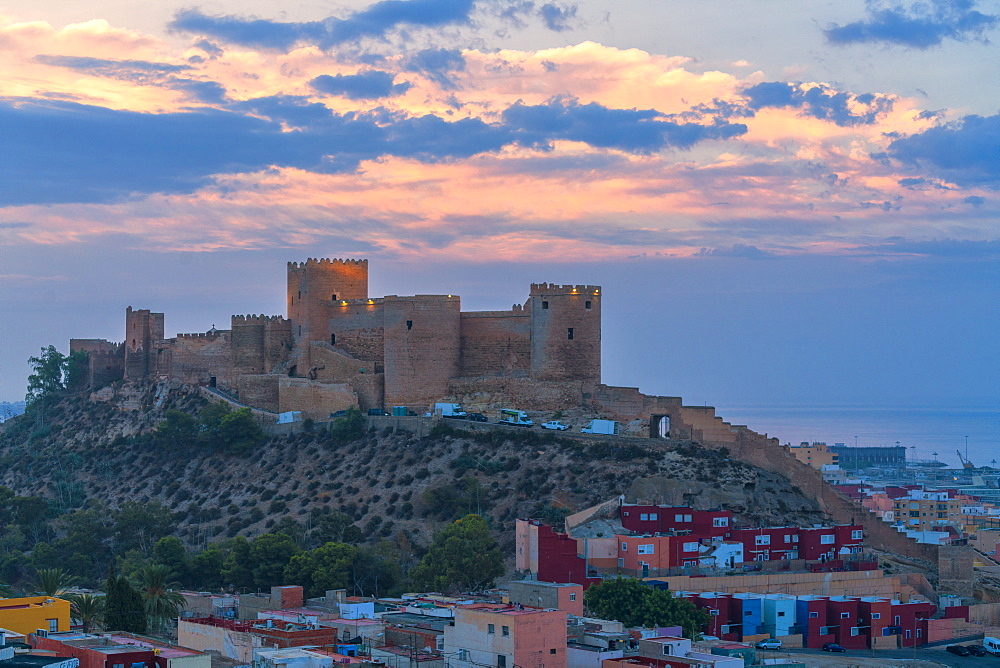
{"x": 884, "y": 657}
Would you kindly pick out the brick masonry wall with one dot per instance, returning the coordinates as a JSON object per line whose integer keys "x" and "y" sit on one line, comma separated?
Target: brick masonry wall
{"x": 316, "y": 400}
{"x": 359, "y": 328}
{"x": 482, "y": 394}
{"x": 259, "y": 390}
{"x": 496, "y": 343}
{"x": 314, "y": 287}
{"x": 422, "y": 348}
{"x": 197, "y": 358}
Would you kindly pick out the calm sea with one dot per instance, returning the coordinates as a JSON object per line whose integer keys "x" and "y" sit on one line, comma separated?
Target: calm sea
{"x": 924, "y": 431}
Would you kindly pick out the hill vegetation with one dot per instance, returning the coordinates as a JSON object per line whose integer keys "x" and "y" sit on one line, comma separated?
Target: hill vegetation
{"x": 156, "y": 474}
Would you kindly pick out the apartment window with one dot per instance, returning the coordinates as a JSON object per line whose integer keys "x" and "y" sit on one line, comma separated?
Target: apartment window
{"x": 572, "y": 596}
{"x": 907, "y": 634}
{"x": 624, "y": 547}
{"x": 653, "y": 516}
{"x": 505, "y": 630}
{"x": 409, "y": 324}
{"x": 876, "y": 615}
{"x": 678, "y": 518}
{"x": 781, "y": 613}
{"x": 795, "y": 538}
{"x": 826, "y": 539}
{"x": 552, "y": 651}
{"x": 644, "y": 517}
{"x": 788, "y": 538}
{"x": 762, "y": 540}
{"x": 569, "y": 333}
{"x": 501, "y": 661}
{"x": 587, "y": 304}
{"x": 845, "y": 615}
{"x": 463, "y": 655}
{"x": 855, "y": 631}
{"x": 813, "y": 615}
{"x": 53, "y": 625}
{"x": 748, "y": 613}
{"x": 920, "y": 633}
{"x": 667, "y": 648}
{"x": 491, "y": 629}
{"x": 857, "y": 534}
{"x": 300, "y": 295}
{"x": 645, "y": 549}
{"x": 545, "y": 306}
{"x": 720, "y": 522}
{"x": 895, "y": 620}
{"x": 690, "y": 547}
{"x": 687, "y": 518}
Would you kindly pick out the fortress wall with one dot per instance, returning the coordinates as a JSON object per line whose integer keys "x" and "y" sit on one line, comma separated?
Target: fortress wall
{"x": 486, "y": 393}
{"x": 359, "y": 330}
{"x": 260, "y": 391}
{"x": 628, "y": 403}
{"x": 565, "y": 333}
{"x": 197, "y": 358}
{"x": 142, "y": 329}
{"x": 496, "y": 343}
{"x": 105, "y": 360}
{"x": 370, "y": 388}
{"x": 248, "y": 345}
{"x": 330, "y": 364}
{"x": 422, "y": 348}
{"x": 316, "y": 400}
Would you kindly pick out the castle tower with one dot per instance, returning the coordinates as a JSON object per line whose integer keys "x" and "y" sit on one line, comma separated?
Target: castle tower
{"x": 259, "y": 342}
{"x": 565, "y": 332}
{"x": 142, "y": 328}
{"x": 313, "y": 288}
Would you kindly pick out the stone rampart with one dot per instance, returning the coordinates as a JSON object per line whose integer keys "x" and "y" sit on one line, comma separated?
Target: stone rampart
{"x": 316, "y": 400}
{"x": 496, "y": 343}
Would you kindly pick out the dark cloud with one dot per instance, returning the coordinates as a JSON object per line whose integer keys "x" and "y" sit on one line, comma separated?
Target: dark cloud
{"x": 209, "y": 92}
{"x": 368, "y": 85}
{"x": 920, "y": 183}
{"x": 626, "y": 129}
{"x": 966, "y": 151}
{"x": 437, "y": 65}
{"x": 819, "y": 102}
{"x": 136, "y": 71}
{"x": 14, "y": 226}
{"x": 975, "y": 200}
{"x": 97, "y": 154}
{"x": 375, "y": 21}
{"x": 557, "y": 17}
{"x": 736, "y": 250}
{"x": 919, "y": 25}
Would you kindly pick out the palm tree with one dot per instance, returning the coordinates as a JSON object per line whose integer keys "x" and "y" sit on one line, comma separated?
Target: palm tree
{"x": 55, "y": 581}
{"x": 161, "y": 602}
{"x": 88, "y": 610}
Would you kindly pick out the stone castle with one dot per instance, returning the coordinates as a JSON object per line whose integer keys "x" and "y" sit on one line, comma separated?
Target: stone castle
{"x": 341, "y": 347}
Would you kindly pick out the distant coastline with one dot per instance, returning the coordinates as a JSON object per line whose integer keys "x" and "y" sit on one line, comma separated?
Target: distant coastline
{"x": 927, "y": 430}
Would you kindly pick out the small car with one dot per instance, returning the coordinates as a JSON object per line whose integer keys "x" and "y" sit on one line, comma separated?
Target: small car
{"x": 555, "y": 424}
{"x": 833, "y": 647}
{"x": 377, "y": 411}
{"x": 960, "y": 650}
{"x": 770, "y": 643}
{"x": 976, "y": 650}
{"x": 478, "y": 417}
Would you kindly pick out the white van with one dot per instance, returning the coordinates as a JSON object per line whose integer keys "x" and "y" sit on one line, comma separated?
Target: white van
{"x": 992, "y": 645}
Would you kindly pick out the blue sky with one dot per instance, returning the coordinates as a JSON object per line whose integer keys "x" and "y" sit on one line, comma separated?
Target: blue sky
{"x": 787, "y": 203}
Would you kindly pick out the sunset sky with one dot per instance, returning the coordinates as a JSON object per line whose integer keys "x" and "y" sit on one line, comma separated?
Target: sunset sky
{"x": 786, "y": 201}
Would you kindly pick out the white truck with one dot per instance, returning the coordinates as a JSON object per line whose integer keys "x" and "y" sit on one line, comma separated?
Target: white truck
{"x": 515, "y": 417}
{"x": 992, "y": 644}
{"x": 609, "y": 427}
{"x": 453, "y": 411}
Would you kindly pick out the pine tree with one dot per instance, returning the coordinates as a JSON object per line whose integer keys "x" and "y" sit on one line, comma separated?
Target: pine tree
{"x": 124, "y": 609}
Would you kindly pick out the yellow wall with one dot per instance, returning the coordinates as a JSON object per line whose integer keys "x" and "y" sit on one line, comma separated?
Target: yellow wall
{"x": 26, "y": 615}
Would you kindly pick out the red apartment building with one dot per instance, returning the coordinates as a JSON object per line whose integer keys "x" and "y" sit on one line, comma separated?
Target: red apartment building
{"x": 707, "y": 524}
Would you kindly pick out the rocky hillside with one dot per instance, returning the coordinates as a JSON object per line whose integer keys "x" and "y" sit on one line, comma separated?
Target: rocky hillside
{"x": 98, "y": 448}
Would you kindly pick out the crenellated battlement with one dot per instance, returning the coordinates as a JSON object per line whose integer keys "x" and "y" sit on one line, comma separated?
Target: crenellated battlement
{"x": 538, "y": 289}
{"x": 328, "y": 262}
{"x": 256, "y": 319}
{"x": 211, "y": 334}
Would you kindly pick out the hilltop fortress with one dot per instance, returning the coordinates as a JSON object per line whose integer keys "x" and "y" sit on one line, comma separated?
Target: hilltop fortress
{"x": 341, "y": 347}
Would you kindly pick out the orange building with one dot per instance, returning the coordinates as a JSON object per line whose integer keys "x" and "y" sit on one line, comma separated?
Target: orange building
{"x": 27, "y": 615}
{"x": 505, "y": 637}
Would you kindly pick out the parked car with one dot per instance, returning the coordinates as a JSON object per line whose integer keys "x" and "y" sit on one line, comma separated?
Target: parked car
{"x": 770, "y": 643}
{"x": 960, "y": 650}
{"x": 833, "y": 647}
{"x": 377, "y": 411}
{"x": 976, "y": 650}
{"x": 555, "y": 424}
{"x": 478, "y": 417}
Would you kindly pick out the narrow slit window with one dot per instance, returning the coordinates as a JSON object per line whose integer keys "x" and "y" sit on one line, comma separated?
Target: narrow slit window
{"x": 588, "y": 304}
{"x": 569, "y": 333}
{"x": 333, "y": 339}
{"x": 300, "y": 330}
{"x": 409, "y": 324}
{"x": 545, "y": 306}
{"x": 334, "y": 298}
{"x": 300, "y": 294}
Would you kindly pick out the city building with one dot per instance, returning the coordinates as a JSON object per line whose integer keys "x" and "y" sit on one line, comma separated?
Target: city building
{"x": 506, "y": 637}
{"x": 30, "y": 613}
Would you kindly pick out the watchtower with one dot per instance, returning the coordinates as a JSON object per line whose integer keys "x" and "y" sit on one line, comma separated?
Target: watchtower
{"x": 565, "y": 332}
{"x": 142, "y": 328}
{"x": 314, "y": 286}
